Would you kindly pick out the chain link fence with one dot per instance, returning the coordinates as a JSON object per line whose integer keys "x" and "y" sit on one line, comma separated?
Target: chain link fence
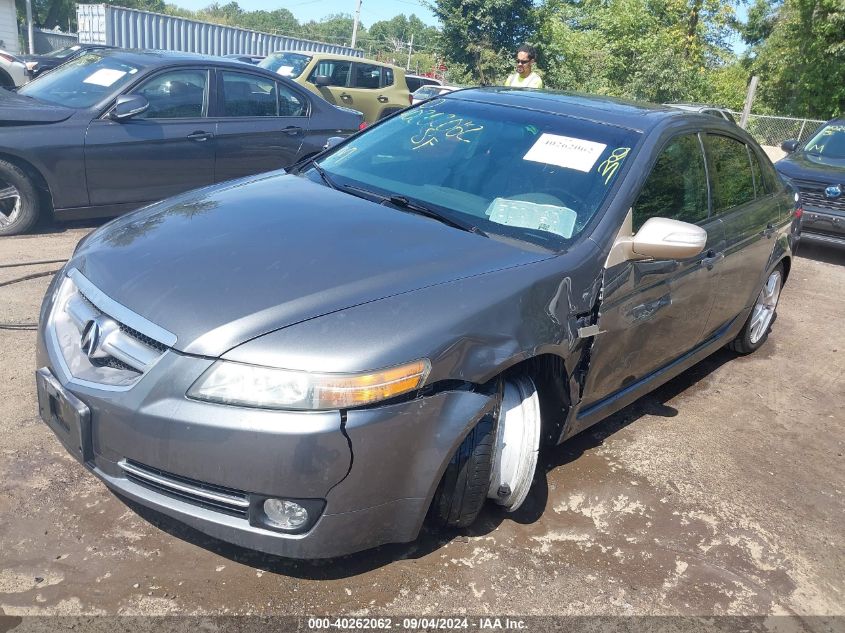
{"x": 774, "y": 130}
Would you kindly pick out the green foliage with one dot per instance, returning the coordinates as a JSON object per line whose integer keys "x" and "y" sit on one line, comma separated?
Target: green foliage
{"x": 802, "y": 63}
{"x": 483, "y": 35}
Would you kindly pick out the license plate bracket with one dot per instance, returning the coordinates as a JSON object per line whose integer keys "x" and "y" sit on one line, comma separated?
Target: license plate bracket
{"x": 67, "y": 416}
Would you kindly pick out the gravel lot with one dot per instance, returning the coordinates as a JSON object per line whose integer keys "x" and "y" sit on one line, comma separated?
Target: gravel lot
{"x": 721, "y": 493}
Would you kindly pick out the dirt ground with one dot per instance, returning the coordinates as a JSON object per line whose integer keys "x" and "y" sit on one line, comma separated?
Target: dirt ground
{"x": 723, "y": 493}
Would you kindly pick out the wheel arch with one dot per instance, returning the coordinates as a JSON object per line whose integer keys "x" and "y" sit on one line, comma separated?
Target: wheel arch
{"x": 38, "y": 179}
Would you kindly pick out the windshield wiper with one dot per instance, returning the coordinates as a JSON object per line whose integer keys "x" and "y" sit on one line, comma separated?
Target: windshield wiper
{"x": 313, "y": 162}
{"x": 415, "y": 207}
{"x": 404, "y": 203}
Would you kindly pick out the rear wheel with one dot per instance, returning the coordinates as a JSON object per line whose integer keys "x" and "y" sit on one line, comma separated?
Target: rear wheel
{"x": 756, "y": 329}
{"x": 18, "y": 200}
{"x": 496, "y": 460}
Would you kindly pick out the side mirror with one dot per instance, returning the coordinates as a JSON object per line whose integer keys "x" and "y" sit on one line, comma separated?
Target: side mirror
{"x": 322, "y": 80}
{"x": 662, "y": 238}
{"x": 332, "y": 141}
{"x": 128, "y": 106}
{"x": 790, "y": 146}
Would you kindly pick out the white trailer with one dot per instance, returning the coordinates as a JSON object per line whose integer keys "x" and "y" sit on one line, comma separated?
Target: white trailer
{"x": 9, "y": 27}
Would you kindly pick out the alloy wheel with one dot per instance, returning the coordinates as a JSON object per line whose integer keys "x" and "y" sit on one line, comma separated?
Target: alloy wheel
{"x": 10, "y": 204}
{"x": 764, "y": 310}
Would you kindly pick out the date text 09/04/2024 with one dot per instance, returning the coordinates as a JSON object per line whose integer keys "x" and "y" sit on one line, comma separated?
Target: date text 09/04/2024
{"x": 412, "y": 623}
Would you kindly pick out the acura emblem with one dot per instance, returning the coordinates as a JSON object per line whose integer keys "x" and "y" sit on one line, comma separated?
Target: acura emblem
{"x": 833, "y": 191}
{"x": 93, "y": 335}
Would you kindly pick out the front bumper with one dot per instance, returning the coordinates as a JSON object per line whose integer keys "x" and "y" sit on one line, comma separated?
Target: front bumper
{"x": 373, "y": 475}
{"x": 822, "y": 225}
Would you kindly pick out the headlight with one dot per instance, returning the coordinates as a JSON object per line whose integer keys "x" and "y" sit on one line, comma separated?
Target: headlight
{"x": 226, "y": 382}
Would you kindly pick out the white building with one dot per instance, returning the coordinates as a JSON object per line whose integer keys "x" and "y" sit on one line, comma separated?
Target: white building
{"x": 8, "y": 27}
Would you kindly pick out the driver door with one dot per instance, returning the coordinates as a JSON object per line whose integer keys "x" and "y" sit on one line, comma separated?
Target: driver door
{"x": 164, "y": 151}
{"x": 653, "y": 312}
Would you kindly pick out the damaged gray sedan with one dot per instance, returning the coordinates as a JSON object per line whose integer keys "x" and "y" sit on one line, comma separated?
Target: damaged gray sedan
{"x": 313, "y": 363}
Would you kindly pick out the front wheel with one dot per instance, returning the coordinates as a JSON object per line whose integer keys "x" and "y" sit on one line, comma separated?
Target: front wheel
{"x": 496, "y": 460}
{"x": 756, "y": 329}
{"x": 18, "y": 200}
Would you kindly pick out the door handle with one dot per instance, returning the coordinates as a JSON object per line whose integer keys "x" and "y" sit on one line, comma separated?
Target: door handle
{"x": 712, "y": 258}
{"x": 382, "y": 99}
{"x": 292, "y": 130}
{"x": 344, "y": 95}
{"x": 199, "y": 136}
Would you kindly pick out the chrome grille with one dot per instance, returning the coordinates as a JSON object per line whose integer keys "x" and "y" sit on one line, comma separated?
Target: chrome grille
{"x": 812, "y": 196}
{"x": 211, "y": 496}
{"x": 101, "y": 341}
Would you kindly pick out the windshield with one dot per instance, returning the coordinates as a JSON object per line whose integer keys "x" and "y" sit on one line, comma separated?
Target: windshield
{"x": 82, "y": 82}
{"x": 522, "y": 174}
{"x": 286, "y": 64}
{"x": 829, "y": 142}
{"x": 61, "y": 53}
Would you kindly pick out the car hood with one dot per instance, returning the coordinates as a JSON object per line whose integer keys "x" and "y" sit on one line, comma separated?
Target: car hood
{"x": 220, "y": 266}
{"x": 22, "y": 110}
{"x": 802, "y": 166}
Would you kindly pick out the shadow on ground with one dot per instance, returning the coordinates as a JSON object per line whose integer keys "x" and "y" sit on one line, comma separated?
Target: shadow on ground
{"x": 820, "y": 252}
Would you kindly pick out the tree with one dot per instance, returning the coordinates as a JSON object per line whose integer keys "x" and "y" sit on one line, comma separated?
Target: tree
{"x": 483, "y": 35}
{"x": 801, "y": 64}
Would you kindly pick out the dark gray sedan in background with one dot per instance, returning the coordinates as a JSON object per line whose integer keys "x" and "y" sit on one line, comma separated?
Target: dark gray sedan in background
{"x": 114, "y": 130}
{"x": 311, "y": 364}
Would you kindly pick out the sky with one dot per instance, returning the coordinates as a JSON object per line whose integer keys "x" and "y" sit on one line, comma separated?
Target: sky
{"x": 305, "y": 10}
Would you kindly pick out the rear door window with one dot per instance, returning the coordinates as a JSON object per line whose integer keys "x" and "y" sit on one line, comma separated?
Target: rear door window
{"x": 677, "y": 185}
{"x": 248, "y": 95}
{"x": 730, "y": 172}
{"x": 367, "y": 76}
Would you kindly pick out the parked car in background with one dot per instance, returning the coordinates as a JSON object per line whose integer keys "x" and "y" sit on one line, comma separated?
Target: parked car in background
{"x": 414, "y": 82}
{"x": 12, "y": 71}
{"x": 722, "y": 113}
{"x": 426, "y": 92}
{"x": 114, "y": 130}
{"x": 817, "y": 169}
{"x": 249, "y": 59}
{"x": 374, "y": 88}
{"x": 408, "y": 317}
{"x": 39, "y": 64}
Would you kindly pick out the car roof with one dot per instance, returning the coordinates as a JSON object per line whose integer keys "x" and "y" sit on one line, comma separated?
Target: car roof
{"x": 351, "y": 58}
{"x": 634, "y": 115}
{"x": 153, "y": 59}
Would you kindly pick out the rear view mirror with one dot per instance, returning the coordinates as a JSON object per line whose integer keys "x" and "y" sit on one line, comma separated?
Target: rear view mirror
{"x": 322, "y": 80}
{"x": 789, "y": 146}
{"x": 128, "y": 106}
{"x": 662, "y": 238}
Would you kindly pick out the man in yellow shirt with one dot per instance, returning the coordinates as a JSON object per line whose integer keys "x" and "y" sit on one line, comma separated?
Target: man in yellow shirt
{"x": 524, "y": 77}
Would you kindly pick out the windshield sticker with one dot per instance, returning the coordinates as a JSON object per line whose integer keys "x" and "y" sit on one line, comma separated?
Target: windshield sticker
{"x": 285, "y": 71}
{"x": 832, "y": 129}
{"x": 437, "y": 126}
{"x": 565, "y": 151}
{"x": 530, "y": 215}
{"x": 608, "y": 167}
{"x": 104, "y": 77}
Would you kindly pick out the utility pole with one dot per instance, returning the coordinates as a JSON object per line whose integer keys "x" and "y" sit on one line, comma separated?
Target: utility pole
{"x": 749, "y": 99}
{"x": 355, "y": 23}
{"x": 29, "y": 32}
{"x": 410, "y": 50}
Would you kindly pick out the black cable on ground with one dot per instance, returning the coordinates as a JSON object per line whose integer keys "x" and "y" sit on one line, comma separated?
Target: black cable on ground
{"x": 28, "y": 277}
{"x": 19, "y": 327}
{"x": 43, "y": 261}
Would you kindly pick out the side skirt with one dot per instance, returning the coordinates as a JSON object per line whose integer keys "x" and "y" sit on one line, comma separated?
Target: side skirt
{"x": 582, "y": 418}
